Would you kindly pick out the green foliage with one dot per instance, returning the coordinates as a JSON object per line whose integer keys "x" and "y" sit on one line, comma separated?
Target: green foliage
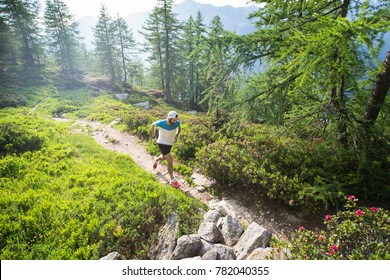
{"x": 139, "y": 122}
{"x": 313, "y": 173}
{"x": 16, "y": 138}
{"x": 195, "y": 136}
{"x": 73, "y": 199}
{"x": 357, "y": 233}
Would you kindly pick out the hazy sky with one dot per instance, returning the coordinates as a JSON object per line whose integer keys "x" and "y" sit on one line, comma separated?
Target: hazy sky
{"x": 124, "y": 7}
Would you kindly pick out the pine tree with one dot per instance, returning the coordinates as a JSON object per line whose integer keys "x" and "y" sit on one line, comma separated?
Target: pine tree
{"x": 318, "y": 54}
{"x": 193, "y": 34}
{"x": 153, "y": 45}
{"x": 217, "y": 59}
{"x": 124, "y": 45}
{"x": 162, "y": 31}
{"x": 20, "y": 18}
{"x": 62, "y": 35}
{"x": 104, "y": 43}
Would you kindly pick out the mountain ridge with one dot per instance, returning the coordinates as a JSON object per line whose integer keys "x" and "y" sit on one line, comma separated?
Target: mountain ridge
{"x": 233, "y": 19}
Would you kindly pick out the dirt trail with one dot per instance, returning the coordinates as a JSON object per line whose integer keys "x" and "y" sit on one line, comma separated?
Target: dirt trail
{"x": 279, "y": 221}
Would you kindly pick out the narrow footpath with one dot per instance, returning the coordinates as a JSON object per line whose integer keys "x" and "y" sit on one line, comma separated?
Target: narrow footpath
{"x": 279, "y": 221}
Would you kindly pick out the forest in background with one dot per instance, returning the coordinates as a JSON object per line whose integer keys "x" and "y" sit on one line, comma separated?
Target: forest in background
{"x": 309, "y": 129}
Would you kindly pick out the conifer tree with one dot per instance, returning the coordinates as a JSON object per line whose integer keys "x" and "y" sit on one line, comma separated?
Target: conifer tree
{"x": 153, "y": 45}
{"x": 104, "y": 43}
{"x": 62, "y": 35}
{"x": 216, "y": 57}
{"x": 191, "y": 45}
{"x": 170, "y": 32}
{"x": 162, "y": 31}
{"x": 20, "y": 18}
{"x": 318, "y": 54}
{"x": 124, "y": 46}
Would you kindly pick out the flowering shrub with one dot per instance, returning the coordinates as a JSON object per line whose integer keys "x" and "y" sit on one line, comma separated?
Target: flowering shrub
{"x": 357, "y": 233}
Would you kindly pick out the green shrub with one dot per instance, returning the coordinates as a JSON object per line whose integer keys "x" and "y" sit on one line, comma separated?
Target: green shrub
{"x": 357, "y": 233}
{"x": 139, "y": 122}
{"x": 17, "y": 139}
{"x": 195, "y": 135}
{"x": 73, "y": 199}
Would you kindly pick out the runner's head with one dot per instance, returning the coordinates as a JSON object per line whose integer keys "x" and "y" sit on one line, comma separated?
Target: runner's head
{"x": 172, "y": 117}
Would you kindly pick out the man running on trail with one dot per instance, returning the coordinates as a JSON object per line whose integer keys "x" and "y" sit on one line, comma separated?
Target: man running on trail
{"x": 169, "y": 130}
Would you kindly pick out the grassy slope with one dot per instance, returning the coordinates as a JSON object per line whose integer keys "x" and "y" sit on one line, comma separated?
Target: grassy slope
{"x": 72, "y": 199}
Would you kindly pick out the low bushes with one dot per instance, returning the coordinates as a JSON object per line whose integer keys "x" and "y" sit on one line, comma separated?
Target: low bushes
{"x": 312, "y": 173}
{"x": 73, "y": 199}
{"x": 356, "y": 233}
{"x": 18, "y": 139}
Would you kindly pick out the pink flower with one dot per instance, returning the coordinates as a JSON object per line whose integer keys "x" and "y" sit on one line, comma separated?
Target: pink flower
{"x": 331, "y": 252}
{"x": 335, "y": 247}
{"x": 321, "y": 237}
{"x": 291, "y": 202}
{"x": 302, "y": 229}
{"x": 351, "y": 197}
{"x": 359, "y": 212}
{"x": 374, "y": 209}
{"x": 328, "y": 217}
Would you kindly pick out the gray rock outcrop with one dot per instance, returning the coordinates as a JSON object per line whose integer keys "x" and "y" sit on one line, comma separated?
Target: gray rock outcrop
{"x": 113, "y": 256}
{"x": 165, "y": 243}
{"x": 187, "y": 247}
{"x": 231, "y": 229}
{"x": 254, "y": 237}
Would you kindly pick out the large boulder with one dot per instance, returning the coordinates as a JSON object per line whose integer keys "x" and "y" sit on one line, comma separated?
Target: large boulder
{"x": 187, "y": 247}
{"x": 260, "y": 254}
{"x": 231, "y": 230}
{"x": 210, "y": 251}
{"x": 113, "y": 256}
{"x": 209, "y": 232}
{"x": 165, "y": 243}
{"x": 254, "y": 237}
{"x": 211, "y": 216}
{"x": 221, "y": 252}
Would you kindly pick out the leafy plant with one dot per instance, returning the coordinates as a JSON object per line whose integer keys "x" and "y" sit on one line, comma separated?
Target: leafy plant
{"x": 73, "y": 199}
{"x": 357, "y": 233}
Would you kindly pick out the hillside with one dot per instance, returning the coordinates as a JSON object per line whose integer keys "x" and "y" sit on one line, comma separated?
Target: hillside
{"x": 233, "y": 19}
{"x": 65, "y": 197}
{"x": 301, "y": 148}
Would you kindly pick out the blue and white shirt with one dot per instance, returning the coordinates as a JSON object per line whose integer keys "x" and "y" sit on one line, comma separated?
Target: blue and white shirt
{"x": 166, "y": 132}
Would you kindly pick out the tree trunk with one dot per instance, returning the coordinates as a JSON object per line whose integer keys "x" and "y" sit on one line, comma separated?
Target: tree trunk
{"x": 379, "y": 93}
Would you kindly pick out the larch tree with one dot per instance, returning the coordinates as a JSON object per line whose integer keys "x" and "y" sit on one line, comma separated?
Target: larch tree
{"x": 162, "y": 33}
{"x": 153, "y": 45}
{"x": 124, "y": 46}
{"x": 104, "y": 43}
{"x": 216, "y": 57}
{"x": 320, "y": 55}
{"x": 20, "y": 18}
{"x": 61, "y": 29}
{"x": 193, "y": 34}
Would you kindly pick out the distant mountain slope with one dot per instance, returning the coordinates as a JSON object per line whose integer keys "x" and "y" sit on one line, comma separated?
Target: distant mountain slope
{"x": 233, "y": 19}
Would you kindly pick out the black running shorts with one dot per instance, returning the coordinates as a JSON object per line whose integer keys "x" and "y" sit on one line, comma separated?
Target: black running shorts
{"x": 164, "y": 149}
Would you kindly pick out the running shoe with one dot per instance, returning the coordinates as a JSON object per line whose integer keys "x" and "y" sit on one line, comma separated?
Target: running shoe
{"x": 175, "y": 183}
{"x": 155, "y": 163}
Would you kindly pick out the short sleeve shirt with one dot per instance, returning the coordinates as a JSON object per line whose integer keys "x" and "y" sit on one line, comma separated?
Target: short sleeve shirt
{"x": 167, "y": 132}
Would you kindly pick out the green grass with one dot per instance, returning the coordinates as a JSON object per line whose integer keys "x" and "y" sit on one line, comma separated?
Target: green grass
{"x": 73, "y": 199}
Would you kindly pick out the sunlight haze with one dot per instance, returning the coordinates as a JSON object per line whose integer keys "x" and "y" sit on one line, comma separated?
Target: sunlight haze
{"x": 124, "y": 7}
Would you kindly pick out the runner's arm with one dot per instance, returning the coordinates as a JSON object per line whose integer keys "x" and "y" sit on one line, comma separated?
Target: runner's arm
{"x": 177, "y": 133}
{"x": 153, "y": 130}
